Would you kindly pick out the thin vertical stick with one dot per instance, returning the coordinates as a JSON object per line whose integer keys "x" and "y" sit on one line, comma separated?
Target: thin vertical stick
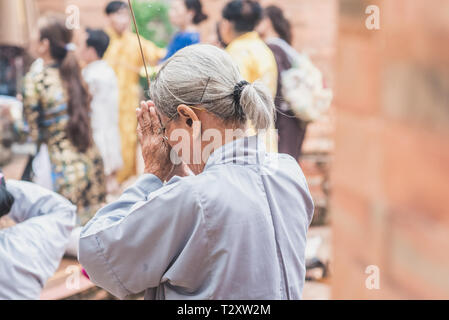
{"x": 140, "y": 43}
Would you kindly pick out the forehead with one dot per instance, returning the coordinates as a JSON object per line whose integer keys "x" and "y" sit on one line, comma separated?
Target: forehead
{"x": 178, "y": 4}
{"x": 122, "y": 12}
{"x": 165, "y": 121}
{"x": 160, "y": 114}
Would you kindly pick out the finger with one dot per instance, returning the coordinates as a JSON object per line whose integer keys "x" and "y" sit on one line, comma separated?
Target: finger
{"x": 138, "y": 116}
{"x": 150, "y": 103}
{"x": 146, "y": 127}
{"x": 139, "y": 112}
{"x": 139, "y": 133}
{"x": 155, "y": 123}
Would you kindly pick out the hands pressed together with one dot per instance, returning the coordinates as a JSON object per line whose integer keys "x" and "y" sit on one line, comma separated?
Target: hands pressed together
{"x": 155, "y": 147}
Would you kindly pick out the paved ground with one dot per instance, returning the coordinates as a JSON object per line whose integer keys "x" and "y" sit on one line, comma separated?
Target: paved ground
{"x": 15, "y": 168}
{"x": 320, "y": 289}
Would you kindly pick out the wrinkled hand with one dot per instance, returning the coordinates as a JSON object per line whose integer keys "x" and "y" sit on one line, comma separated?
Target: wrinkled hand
{"x": 155, "y": 148}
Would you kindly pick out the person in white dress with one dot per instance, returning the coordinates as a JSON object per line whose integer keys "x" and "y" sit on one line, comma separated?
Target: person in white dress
{"x": 103, "y": 87}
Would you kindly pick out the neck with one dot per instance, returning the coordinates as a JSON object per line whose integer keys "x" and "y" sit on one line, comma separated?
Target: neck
{"x": 227, "y": 135}
{"x": 190, "y": 28}
{"x": 271, "y": 34}
{"x": 118, "y": 33}
{"x": 239, "y": 34}
{"x": 187, "y": 28}
{"x": 47, "y": 59}
{"x": 92, "y": 61}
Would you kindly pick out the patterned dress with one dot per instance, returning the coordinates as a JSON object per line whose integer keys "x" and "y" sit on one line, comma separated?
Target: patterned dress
{"x": 77, "y": 176}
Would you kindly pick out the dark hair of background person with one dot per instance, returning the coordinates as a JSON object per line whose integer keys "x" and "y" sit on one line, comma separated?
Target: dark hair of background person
{"x": 6, "y": 198}
{"x": 197, "y": 7}
{"x": 280, "y": 24}
{"x": 219, "y": 37}
{"x": 115, "y": 6}
{"x": 244, "y": 14}
{"x": 97, "y": 39}
{"x": 78, "y": 106}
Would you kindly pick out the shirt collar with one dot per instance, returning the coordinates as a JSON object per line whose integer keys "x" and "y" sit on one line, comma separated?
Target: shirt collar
{"x": 95, "y": 64}
{"x": 253, "y": 35}
{"x": 244, "y": 151}
{"x": 113, "y": 35}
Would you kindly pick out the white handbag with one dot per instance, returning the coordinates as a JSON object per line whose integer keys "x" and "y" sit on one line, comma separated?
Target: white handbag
{"x": 303, "y": 90}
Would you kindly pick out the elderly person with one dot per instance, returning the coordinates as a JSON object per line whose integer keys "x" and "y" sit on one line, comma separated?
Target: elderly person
{"x": 31, "y": 250}
{"x": 214, "y": 216}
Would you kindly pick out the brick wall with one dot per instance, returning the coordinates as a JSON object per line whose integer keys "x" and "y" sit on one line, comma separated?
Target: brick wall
{"x": 391, "y": 168}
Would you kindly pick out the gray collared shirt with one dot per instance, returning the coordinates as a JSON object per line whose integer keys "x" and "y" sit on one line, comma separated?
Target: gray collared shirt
{"x": 31, "y": 250}
{"x": 235, "y": 231}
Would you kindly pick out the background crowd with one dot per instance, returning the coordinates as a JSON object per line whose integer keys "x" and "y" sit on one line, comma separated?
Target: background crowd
{"x": 80, "y": 95}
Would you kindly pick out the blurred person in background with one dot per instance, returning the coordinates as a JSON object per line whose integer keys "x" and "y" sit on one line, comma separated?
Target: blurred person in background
{"x": 253, "y": 57}
{"x": 32, "y": 246}
{"x": 103, "y": 87}
{"x": 237, "y": 30}
{"x": 276, "y": 30}
{"x": 56, "y": 108}
{"x": 185, "y": 15}
{"x": 123, "y": 55}
{"x": 216, "y": 38}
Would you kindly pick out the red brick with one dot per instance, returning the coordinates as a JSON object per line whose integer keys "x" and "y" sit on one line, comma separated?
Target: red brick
{"x": 417, "y": 173}
{"x": 391, "y": 173}
{"x": 358, "y": 154}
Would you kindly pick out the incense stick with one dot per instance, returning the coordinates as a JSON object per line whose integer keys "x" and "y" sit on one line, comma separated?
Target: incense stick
{"x": 140, "y": 44}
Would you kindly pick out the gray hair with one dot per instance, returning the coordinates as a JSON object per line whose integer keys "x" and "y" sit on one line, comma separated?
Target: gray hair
{"x": 206, "y": 75}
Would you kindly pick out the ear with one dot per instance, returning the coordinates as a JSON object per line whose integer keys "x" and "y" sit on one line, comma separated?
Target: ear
{"x": 93, "y": 53}
{"x": 191, "y": 15}
{"x": 43, "y": 47}
{"x": 46, "y": 43}
{"x": 187, "y": 115}
{"x": 226, "y": 31}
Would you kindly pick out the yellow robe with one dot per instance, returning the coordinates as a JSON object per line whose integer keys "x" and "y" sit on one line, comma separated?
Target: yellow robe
{"x": 123, "y": 55}
{"x": 256, "y": 62}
